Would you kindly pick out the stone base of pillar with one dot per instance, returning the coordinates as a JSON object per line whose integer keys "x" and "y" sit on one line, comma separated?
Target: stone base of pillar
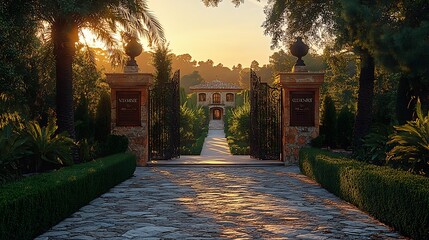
{"x": 294, "y": 139}
{"x": 137, "y": 137}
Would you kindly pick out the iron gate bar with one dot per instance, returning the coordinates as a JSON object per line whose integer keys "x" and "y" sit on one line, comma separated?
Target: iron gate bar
{"x": 164, "y": 119}
{"x": 265, "y": 119}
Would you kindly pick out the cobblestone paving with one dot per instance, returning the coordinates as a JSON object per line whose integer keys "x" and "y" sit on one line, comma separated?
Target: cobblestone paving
{"x": 219, "y": 203}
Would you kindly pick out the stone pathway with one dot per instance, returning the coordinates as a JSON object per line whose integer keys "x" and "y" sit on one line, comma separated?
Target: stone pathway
{"x": 216, "y": 124}
{"x": 215, "y": 144}
{"x": 219, "y": 203}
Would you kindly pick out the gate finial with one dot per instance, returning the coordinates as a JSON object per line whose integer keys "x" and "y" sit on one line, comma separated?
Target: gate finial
{"x": 299, "y": 49}
{"x": 133, "y": 49}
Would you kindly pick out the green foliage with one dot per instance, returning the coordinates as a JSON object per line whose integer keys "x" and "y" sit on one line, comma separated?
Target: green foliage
{"x": 13, "y": 119}
{"x": 237, "y": 127}
{"x": 375, "y": 147}
{"x": 88, "y": 83}
{"x": 385, "y": 97}
{"x": 47, "y": 146}
{"x": 87, "y": 151}
{"x": 83, "y": 120}
{"x": 239, "y": 124}
{"x": 32, "y": 205}
{"x": 19, "y": 57}
{"x": 328, "y": 126}
{"x": 190, "y": 80}
{"x": 395, "y": 197}
{"x": 193, "y": 129}
{"x": 345, "y": 122}
{"x": 13, "y": 147}
{"x": 103, "y": 118}
{"x": 191, "y": 100}
{"x": 411, "y": 143}
{"x": 241, "y": 98}
{"x": 341, "y": 78}
{"x": 114, "y": 144}
{"x": 318, "y": 142}
{"x": 162, "y": 60}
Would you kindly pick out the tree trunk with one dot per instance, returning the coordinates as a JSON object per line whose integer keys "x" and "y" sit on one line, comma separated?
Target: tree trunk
{"x": 64, "y": 36}
{"x": 365, "y": 99}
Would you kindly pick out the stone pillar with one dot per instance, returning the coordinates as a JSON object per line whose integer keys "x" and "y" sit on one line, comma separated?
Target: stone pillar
{"x": 130, "y": 105}
{"x": 301, "y": 102}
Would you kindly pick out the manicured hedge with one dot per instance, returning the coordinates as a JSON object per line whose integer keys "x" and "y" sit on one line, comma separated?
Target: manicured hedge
{"x": 33, "y": 205}
{"x": 397, "y": 198}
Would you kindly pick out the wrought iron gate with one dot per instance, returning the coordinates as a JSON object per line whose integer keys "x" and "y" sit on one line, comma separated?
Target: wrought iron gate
{"x": 265, "y": 119}
{"x": 164, "y": 119}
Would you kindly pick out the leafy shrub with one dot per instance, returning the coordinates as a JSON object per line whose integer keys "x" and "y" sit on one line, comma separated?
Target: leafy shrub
{"x": 239, "y": 123}
{"x": 397, "y": 198}
{"x": 46, "y": 146}
{"x": 375, "y": 147}
{"x": 13, "y": 147}
{"x": 318, "y": 141}
{"x": 411, "y": 143}
{"x": 114, "y": 144}
{"x": 345, "y": 123}
{"x": 87, "y": 151}
{"x": 237, "y": 126}
{"x": 193, "y": 128}
{"x": 13, "y": 119}
{"x": 195, "y": 148}
{"x": 329, "y": 122}
{"x": 238, "y": 147}
{"x": 32, "y": 205}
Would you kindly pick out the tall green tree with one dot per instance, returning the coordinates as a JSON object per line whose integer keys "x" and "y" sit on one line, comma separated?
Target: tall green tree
{"x": 19, "y": 56}
{"x": 190, "y": 80}
{"x": 329, "y": 122}
{"x": 103, "y": 118}
{"x": 65, "y": 18}
{"x": 162, "y": 61}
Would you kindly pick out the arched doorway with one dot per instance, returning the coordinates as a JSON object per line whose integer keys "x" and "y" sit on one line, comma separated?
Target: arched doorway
{"x": 217, "y": 114}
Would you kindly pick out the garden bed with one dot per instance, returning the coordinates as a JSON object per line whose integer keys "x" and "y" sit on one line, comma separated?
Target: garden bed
{"x": 397, "y": 198}
{"x": 34, "y": 204}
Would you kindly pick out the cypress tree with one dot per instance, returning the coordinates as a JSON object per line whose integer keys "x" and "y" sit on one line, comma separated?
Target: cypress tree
{"x": 329, "y": 119}
{"x": 345, "y": 122}
{"x": 103, "y": 118}
{"x": 83, "y": 120}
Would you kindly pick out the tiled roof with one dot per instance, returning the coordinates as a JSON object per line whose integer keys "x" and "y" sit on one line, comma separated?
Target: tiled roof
{"x": 216, "y": 84}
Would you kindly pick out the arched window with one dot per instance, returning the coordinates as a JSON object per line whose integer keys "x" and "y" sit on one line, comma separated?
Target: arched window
{"x": 201, "y": 97}
{"x": 216, "y": 98}
{"x": 230, "y": 97}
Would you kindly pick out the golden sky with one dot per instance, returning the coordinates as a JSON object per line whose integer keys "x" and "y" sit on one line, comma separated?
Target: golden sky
{"x": 225, "y": 34}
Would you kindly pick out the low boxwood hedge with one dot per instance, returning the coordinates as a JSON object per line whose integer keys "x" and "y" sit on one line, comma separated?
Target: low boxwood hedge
{"x": 34, "y": 204}
{"x": 397, "y": 198}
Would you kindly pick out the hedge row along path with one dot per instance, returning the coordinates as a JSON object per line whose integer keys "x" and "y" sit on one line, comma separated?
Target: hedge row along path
{"x": 219, "y": 203}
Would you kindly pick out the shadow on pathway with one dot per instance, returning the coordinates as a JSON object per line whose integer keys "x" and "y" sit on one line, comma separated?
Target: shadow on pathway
{"x": 219, "y": 203}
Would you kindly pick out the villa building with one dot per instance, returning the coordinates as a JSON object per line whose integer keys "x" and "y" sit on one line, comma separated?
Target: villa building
{"x": 216, "y": 95}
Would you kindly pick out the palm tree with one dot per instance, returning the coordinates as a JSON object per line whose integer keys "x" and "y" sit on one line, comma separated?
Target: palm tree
{"x": 105, "y": 19}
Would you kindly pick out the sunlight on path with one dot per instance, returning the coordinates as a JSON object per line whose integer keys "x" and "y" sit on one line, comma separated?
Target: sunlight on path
{"x": 215, "y": 144}
{"x": 219, "y": 203}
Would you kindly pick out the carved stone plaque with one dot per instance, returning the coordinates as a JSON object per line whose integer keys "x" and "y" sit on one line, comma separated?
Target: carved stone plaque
{"x": 302, "y": 108}
{"x": 128, "y": 111}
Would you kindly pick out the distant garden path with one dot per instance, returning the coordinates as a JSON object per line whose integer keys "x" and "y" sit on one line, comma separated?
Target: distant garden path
{"x": 215, "y": 144}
